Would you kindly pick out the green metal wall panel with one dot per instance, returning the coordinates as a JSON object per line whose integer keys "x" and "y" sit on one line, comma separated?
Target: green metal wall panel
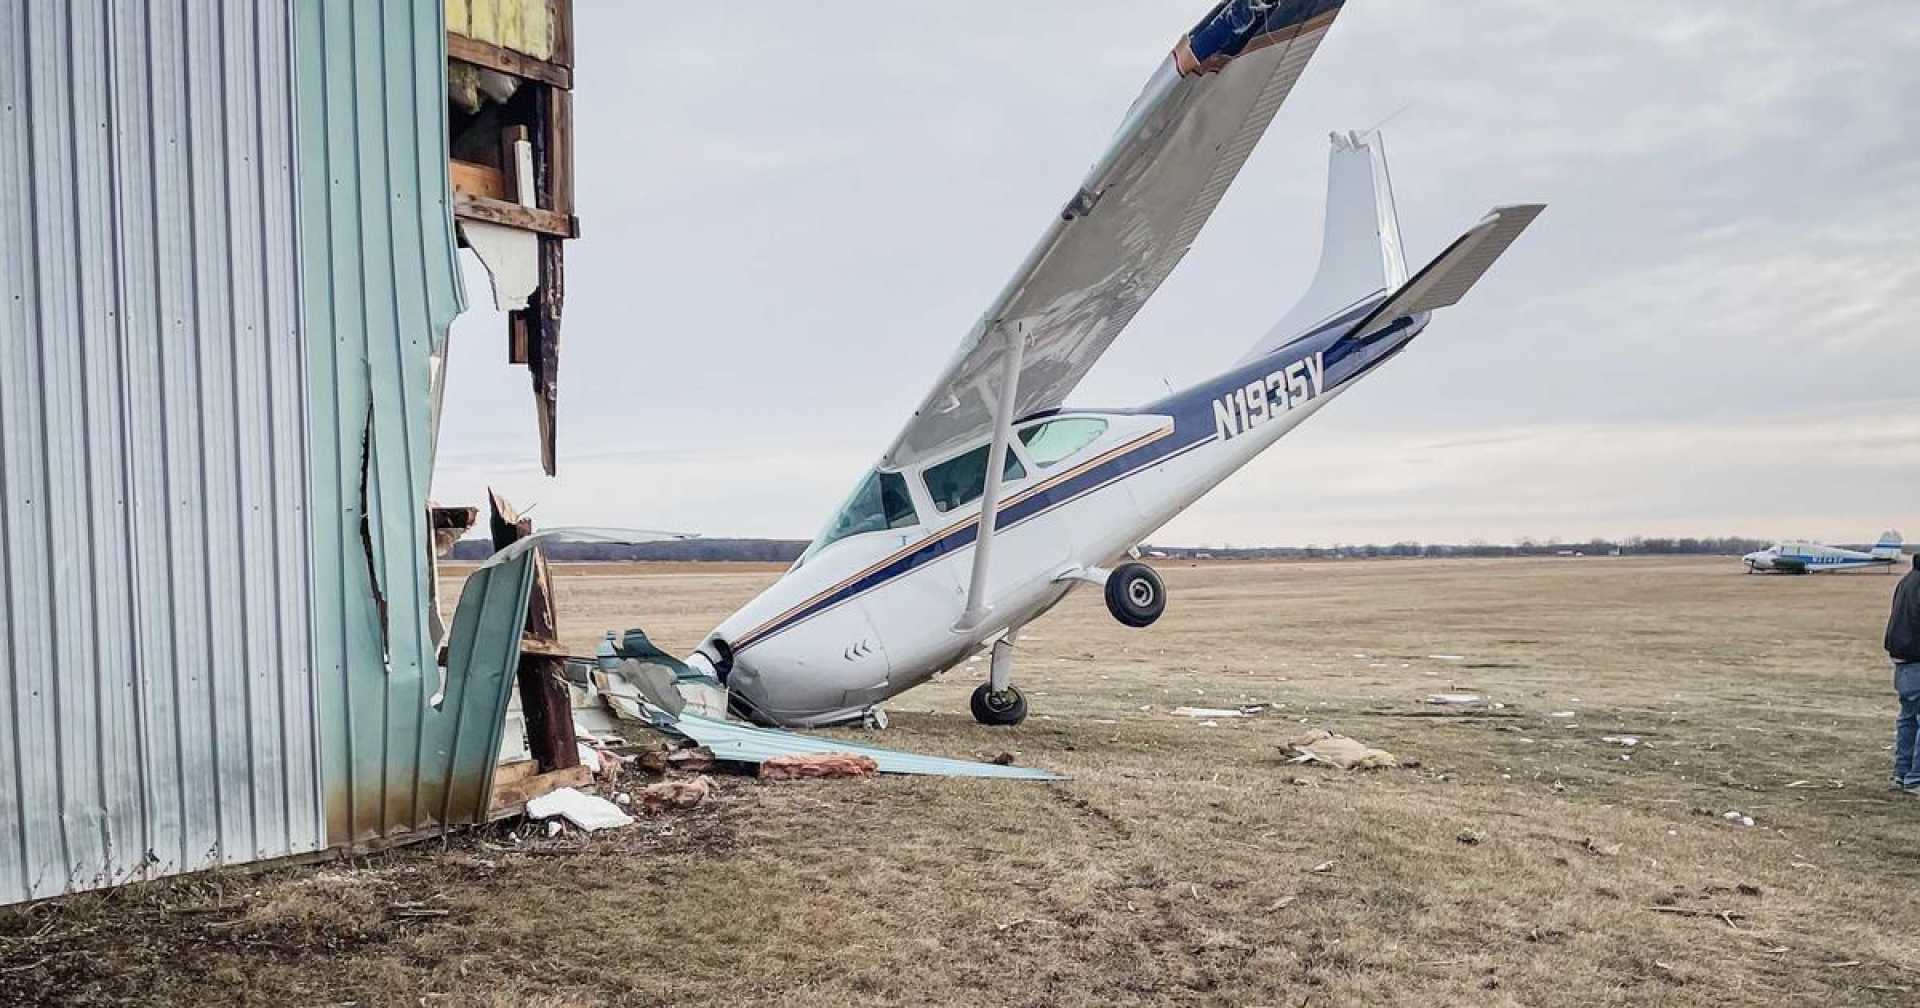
{"x": 379, "y": 290}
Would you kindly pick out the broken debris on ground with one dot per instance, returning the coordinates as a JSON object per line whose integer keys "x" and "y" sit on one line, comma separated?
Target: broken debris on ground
{"x": 737, "y": 743}
{"x": 584, "y": 811}
{"x": 814, "y": 766}
{"x": 1326, "y": 748}
{"x": 675, "y": 794}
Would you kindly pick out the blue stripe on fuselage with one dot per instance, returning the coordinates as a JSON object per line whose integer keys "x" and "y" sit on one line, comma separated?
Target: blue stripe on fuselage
{"x": 1345, "y": 359}
{"x": 1191, "y": 409}
{"x": 1019, "y": 509}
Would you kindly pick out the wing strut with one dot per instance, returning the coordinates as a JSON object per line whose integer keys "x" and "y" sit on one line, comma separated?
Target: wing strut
{"x": 978, "y": 608}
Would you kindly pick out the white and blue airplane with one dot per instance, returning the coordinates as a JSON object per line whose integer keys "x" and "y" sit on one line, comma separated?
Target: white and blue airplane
{"x": 904, "y": 581}
{"x": 1801, "y": 557}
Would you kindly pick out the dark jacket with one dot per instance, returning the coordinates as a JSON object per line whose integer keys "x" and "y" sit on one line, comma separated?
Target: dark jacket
{"x": 1903, "y": 628}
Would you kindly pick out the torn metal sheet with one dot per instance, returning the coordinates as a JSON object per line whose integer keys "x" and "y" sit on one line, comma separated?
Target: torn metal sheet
{"x": 663, "y": 680}
{"x": 655, "y": 682}
{"x": 512, "y": 260}
{"x": 746, "y": 744}
{"x": 742, "y": 743}
{"x": 581, "y": 534}
{"x": 378, "y": 290}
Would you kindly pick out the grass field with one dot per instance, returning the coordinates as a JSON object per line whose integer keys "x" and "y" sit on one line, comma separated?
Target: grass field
{"x": 1523, "y": 861}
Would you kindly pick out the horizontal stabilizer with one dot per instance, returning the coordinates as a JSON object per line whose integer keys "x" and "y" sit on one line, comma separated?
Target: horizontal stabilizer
{"x": 1445, "y": 280}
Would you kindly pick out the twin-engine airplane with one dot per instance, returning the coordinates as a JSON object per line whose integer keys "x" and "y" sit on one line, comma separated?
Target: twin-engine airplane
{"x": 1811, "y": 558}
{"x": 903, "y": 582}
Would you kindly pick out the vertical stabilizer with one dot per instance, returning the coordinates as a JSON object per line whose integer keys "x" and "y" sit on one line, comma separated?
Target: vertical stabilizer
{"x": 1890, "y": 546}
{"x": 1360, "y": 250}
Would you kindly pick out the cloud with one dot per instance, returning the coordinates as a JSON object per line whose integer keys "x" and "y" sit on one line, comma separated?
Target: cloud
{"x": 791, "y": 221}
{"x": 1834, "y": 472}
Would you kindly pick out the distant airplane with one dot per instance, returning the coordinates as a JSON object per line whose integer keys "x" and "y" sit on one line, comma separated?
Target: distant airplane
{"x": 1812, "y": 558}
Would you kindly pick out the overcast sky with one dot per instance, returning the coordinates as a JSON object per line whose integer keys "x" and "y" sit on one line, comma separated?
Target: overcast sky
{"x": 791, "y": 217}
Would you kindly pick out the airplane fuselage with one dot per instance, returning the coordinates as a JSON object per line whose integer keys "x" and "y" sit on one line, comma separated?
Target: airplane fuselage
{"x": 868, "y": 616}
{"x": 1806, "y": 558}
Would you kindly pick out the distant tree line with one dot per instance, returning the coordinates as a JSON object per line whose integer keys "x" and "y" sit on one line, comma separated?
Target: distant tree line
{"x": 1630, "y": 546}
{"x": 760, "y": 550}
{"x": 787, "y": 550}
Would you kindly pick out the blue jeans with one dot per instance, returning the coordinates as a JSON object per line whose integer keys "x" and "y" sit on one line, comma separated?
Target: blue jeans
{"x": 1906, "y": 762}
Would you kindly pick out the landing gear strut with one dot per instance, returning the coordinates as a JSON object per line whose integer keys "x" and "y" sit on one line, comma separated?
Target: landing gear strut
{"x": 997, "y": 701}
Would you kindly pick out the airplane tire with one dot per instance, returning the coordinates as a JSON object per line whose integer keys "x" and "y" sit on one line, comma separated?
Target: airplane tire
{"x": 1008, "y": 707}
{"x": 1135, "y": 595}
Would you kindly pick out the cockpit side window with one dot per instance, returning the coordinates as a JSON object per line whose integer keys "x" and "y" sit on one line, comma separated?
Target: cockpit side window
{"x": 880, "y": 502}
{"x": 960, "y": 481}
{"x": 1050, "y": 442}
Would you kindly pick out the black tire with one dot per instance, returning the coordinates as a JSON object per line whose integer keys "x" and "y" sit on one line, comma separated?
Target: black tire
{"x": 1135, "y": 595}
{"x": 1008, "y": 707}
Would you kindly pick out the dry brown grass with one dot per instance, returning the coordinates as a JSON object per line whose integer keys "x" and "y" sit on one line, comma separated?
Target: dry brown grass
{"x": 1175, "y": 868}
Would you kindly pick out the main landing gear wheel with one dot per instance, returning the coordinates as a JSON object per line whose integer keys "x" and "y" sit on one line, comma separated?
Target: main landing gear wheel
{"x": 1002, "y": 707}
{"x": 1135, "y": 595}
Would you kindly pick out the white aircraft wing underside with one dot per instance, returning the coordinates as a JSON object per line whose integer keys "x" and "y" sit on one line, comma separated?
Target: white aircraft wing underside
{"x": 1179, "y": 148}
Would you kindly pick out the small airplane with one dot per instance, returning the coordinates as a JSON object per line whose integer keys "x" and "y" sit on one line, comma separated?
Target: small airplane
{"x": 1797, "y": 557}
{"x": 904, "y": 582}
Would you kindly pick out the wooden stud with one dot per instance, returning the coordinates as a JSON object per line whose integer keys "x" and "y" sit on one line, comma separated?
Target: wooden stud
{"x": 559, "y": 150}
{"x": 561, "y": 12}
{"x": 493, "y": 57}
{"x": 480, "y": 180}
{"x": 544, "y": 365}
{"x": 495, "y": 211}
{"x": 545, "y": 702}
{"x": 516, "y": 784}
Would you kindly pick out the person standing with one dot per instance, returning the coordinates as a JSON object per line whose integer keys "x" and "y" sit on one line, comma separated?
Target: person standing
{"x": 1903, "y": 646}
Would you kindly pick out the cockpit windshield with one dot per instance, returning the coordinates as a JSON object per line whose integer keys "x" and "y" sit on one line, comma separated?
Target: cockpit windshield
{"x": 880, "y": 502}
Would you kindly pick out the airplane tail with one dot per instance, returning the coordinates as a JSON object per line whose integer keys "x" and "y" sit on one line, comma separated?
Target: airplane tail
{"x": 1361, "y": 256}
{"x": 1360, "y": 250}
{"x": 1890, "y": 546}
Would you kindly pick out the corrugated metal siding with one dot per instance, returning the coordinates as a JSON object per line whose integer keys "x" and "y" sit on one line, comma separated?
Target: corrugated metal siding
{"x": 463, "y": 736}
{"x": 204, "y": 323}
{"x": 524, "y": 26}
{"x": 381, "y": 289}
{"x": 157, "y": 698}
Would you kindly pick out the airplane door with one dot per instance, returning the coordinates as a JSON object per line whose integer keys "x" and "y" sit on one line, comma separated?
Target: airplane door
{"x": 1027, "y": 549}
{"x": 914, "y": 613}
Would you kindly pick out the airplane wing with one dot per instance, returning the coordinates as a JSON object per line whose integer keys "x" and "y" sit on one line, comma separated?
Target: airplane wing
{"x": 1131, "y": 221}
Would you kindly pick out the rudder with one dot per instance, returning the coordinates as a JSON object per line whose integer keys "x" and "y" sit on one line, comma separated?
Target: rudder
{"x": 1360, "y": 250}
